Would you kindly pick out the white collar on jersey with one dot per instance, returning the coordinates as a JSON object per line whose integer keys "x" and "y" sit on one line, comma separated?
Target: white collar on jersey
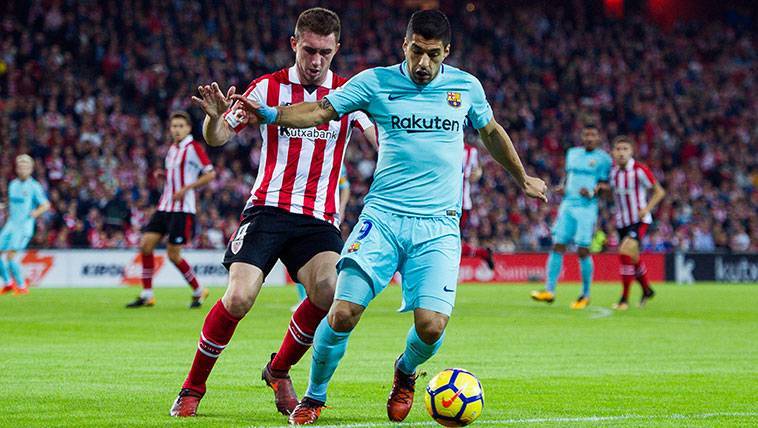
{"x": 295, "y": 78}
{"x": 629, "y": 165}
{"x": 188, "y": 139}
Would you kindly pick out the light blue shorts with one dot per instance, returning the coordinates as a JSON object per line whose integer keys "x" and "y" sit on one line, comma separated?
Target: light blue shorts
{"x": 575, "y": 224}
{"x": 425, "y": 250}
{"x": 14, "y": 237}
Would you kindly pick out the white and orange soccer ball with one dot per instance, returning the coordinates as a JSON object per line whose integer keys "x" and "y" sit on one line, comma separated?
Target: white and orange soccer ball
{"x": 454, "y": 398}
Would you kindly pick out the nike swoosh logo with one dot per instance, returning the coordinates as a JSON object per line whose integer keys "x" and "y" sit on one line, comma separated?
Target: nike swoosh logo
{"x": 448, "y": 403}
{"x": 449, "y": 290}
{"x": 394, "y": 97}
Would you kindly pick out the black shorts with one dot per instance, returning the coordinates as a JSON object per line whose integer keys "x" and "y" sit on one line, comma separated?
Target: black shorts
{"x": 635, "y": 231}
{"x": 266, "y": 234}
{"x": 180, "y": 227}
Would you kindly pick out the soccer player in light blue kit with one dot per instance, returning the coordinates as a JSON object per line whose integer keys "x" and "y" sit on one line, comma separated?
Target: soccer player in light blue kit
{"x": 26, "y": 202}
{"x": 587, "y": 173}
{"x": 410, "y": 219}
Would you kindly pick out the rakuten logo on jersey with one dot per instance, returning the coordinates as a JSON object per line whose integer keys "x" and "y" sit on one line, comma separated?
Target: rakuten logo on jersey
{"x": 414, "y": 124}
{"x": 310, "y": 133}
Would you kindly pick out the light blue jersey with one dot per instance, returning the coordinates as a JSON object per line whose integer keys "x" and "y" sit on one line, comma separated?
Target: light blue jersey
{"x": 577, "y": 214}
{"x": 23, "y": 198}
{"x": 409, "y": 223}
{"x": 420, "y": 135}
{"x": 585, "y": 169}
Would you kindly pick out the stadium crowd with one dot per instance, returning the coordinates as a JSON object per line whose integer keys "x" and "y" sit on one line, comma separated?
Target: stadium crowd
{"x": 86, "y": 87}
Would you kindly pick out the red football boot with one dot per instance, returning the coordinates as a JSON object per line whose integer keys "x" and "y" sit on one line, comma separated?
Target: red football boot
{"x": 400, "y": 400}
{"x": 186, "y": 403}
{"x": 284, "y": 393}
{"x": 20, "y": 291}
{"x": 307, "y": 412}
{"x": 10, "y": 288}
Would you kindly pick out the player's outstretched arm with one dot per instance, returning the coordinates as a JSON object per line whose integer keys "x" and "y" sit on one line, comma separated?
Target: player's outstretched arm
{"x": 214, "y": 103}
{"x": 501, "y": 148}
{"x": 300, "y": 115}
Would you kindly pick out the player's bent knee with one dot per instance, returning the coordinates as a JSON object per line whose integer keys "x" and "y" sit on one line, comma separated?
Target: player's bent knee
{"x": 174, "y": 255}
{"x": 244, "y": 284}
{"x": 322, "y": 292}
{"x": 629, "y": 247}
{"x": 343, "y": 316}
{"x": 431, "y": 329}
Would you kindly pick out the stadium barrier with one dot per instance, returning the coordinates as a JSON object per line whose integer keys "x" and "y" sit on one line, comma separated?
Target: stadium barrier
{"x": 686, "y": 268}
{"x": 119, "y": 268}
{"x": 530, "y": 267}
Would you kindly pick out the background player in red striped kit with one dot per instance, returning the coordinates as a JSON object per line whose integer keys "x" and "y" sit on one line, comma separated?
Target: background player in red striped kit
{"x": 187, "y": 168}
{"x": 292, "y": 213}
{"x": 630, "y": 181}
{"x": 472, "y": 171}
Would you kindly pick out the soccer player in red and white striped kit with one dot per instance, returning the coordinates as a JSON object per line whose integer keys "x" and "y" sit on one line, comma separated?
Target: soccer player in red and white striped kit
{"x": 472, "y": 171}
{"x": 187, "y": 168}
{"x": 292, "y": 213}
{"x": 630, "y": 181}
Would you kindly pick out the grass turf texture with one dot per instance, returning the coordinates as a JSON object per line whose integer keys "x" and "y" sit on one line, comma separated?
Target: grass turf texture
{"x": 77, "y": 357}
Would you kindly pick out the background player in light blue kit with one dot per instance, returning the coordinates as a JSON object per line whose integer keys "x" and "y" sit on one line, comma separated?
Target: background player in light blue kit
{"x": 410, "y": 219}
{"x": 26, "y": 202}
{"x": 587, "y": 173}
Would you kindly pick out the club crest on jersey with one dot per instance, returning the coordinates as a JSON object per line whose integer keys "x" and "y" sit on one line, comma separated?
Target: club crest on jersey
{"x": 355, "y": 246}
{"x": 239, "y": 239}
{"x": 593, "y": 162}
{"x": 454, "y": 99}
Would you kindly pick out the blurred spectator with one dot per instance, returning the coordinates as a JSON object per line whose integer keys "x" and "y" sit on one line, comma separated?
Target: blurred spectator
{"x": 85, "y": 88}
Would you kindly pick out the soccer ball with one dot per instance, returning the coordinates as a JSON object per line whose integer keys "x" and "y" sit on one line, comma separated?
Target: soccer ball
{"x": 454, "y": 398}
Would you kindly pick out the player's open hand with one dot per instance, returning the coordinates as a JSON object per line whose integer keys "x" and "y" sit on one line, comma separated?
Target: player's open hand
{"x": 248, "y": 110}
{"x": 213, "y": 102}
{"x": 534, "y": 187}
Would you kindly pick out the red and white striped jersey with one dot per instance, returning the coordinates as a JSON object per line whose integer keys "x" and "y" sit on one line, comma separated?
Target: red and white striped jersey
{"x": 470, "y": 163}
{"x": 299, "y": 168}
{"x": 630, "y": 186}
{"x": 185, "y": 162}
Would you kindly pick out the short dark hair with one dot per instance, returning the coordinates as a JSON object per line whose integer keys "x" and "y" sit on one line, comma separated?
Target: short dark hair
{"x": 181, "y": 114}
{"x": 588, "y": 123}
{"x": 429, "y": 24}
{"x": 319, "y": 21}
{"x": 623, "y": 139}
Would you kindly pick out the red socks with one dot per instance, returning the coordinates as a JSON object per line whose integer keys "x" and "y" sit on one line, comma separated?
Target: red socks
{"x": 627, "y": 274}
{"x": 189, "y": 275}
{"x": 217, "y": 331}
{"x": 640, "y": 271}
{"x": 299, "y": 336}
{"x": 147, "y": 271}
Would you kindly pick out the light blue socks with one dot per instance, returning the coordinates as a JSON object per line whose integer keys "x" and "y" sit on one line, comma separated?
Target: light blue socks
{"x": 586, "y": 266}
{"x": 554, "y": 264}
{"x": 3, "y": 272}
{"x": 417, "y": 351}
{"x": 328, "y": 349}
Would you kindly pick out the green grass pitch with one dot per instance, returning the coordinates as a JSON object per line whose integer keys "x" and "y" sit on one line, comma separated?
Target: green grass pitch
{"x": 76, "y": 357}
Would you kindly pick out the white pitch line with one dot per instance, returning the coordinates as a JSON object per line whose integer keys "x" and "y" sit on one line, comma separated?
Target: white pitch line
{"x": 675, "y": 416}
{"x": 600, "y": 312}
